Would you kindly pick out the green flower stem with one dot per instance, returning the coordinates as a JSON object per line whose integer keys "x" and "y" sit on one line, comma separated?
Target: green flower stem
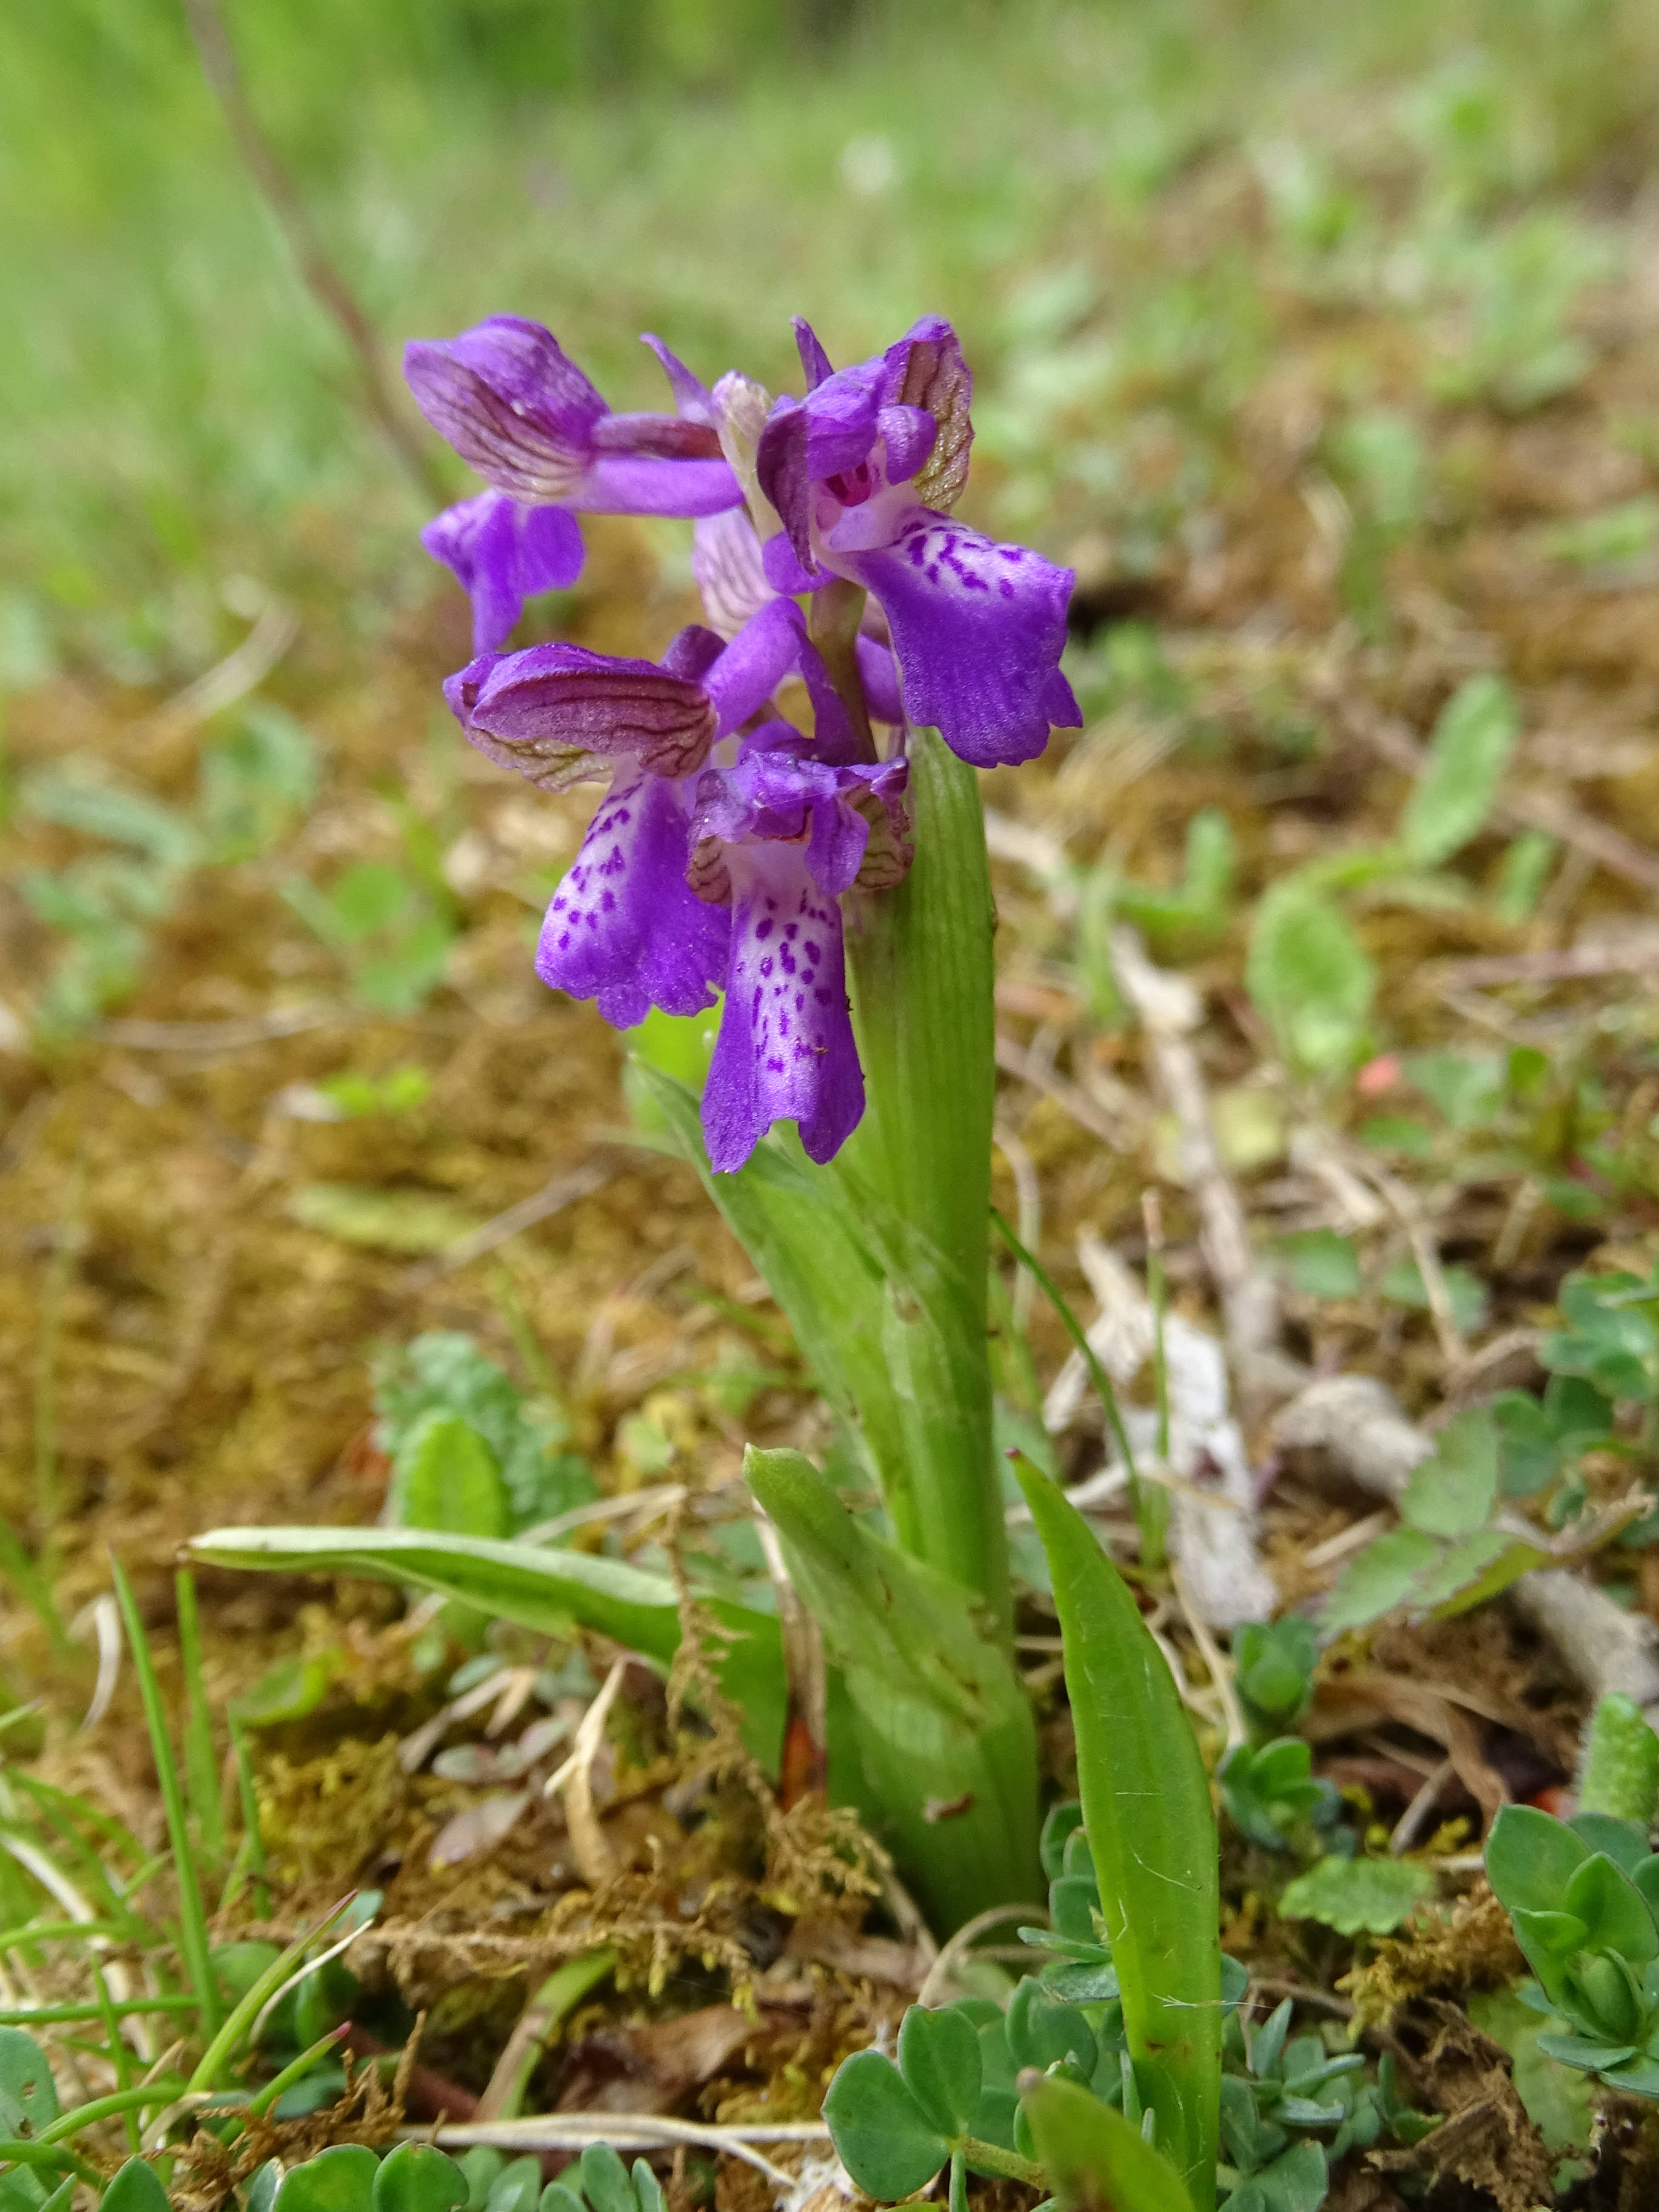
{"x": 991, "y": 2158}
{"x": 921, "y": 966}
{"x": 833, "y": 615}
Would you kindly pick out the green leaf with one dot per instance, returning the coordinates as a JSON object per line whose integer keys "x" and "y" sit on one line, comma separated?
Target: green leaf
{"x": 1620, "y": 1774}
{"x": 288, "y": 1691}
{"x": 1093, "y": 2157}
{"x": 1274, "y": 1663}
{"x": 1296, "y": 2181}
{"x": 1531, "y": 1859}
{"x": 518, "y": 2186}
{"x": 388, "y": 1220}
{"x": 881, "y": 2134}
{"x": 1471, "y": 1563}
{"x": 1614, "y": 1914}
{"x": 28, "y": 2096}
{"x": 1042, "y": 2029}
{"x": 340, "y": 2179}
{"x": 1377, "y": 1579}
{"x": 1310, "y": 977}
{"x": 1452, "y": 1491}
{"x": 1320, "y": 1263}
{"x": 936, "y": 1708}
{"x": 135, "y": 2188}
{"x": 541, "y": 1589}
{"x": 1377, "y": 1895}
{"x": 1151, "y": 1833}
{"x": 416, "y": 2178}
{"x": 1457, "y": 787}
{"x": 1557, "y": 2099}
{"x": 938, "y": 2056}
{"x": 1466, "y": 1293}
{"x": 444, "y": 1476}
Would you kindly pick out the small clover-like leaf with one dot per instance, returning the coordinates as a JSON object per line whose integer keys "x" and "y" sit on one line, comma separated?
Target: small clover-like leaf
{"x": 938, "y": 2056}
{"x": 416, "y": 2178}
{"x": 339, "y": 2179}
{"x": 881, "y": 2135}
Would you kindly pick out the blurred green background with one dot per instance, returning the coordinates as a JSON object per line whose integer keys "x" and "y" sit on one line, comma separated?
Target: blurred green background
{"x": 1086, "y": 189}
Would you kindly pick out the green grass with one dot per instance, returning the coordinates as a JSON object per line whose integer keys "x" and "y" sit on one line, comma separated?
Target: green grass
{"x": 177, "y": 409}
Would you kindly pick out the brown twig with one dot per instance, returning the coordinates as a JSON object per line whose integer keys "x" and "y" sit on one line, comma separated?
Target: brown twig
{"x": 282, "y": 196}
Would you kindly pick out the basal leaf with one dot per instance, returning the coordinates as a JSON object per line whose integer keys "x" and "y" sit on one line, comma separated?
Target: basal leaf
{"x": 137, "y": 2188}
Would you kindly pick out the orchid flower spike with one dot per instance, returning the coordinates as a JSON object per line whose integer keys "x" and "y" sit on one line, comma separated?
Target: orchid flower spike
{"x": 728, "y": 838}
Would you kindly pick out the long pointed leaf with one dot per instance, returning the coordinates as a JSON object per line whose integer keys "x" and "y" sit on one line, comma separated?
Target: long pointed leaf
{"x": 1151, "y": 1834}
{"x": 942, "y": 1727}
{"x": 540, "y": 1589}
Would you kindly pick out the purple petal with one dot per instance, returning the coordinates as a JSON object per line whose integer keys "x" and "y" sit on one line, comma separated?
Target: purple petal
{"x": 501, "y": 552}
{"x": 631, "y": 484}
{"x": 880, "y": 675}
{"x": 783, "y": 571}
{"x": 785, "y": 1051}
{"x": 815, "y": 362}
{"x": 624, "y": 928}
{"x": 544, "y": 710}
{"x": 834, "y": 851}
{"x": 910, "y": 434}
{"x": 511, "y": 403}
{"x": 692, "y": 652}
{"x": 691, "y": 395}
{"x": 726, "y": 566}
{"x": 755, "y": 662}
{"x": 977, "y": 629}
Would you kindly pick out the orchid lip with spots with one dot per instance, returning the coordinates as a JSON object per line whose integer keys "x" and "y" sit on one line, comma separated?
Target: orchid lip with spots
{"x": 732, "y": 846}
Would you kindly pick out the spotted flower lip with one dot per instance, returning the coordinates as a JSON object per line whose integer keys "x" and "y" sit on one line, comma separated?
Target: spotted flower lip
{"x": 777, "y": 836}
{"x": 514, "y": 404}
{"x": 501, "y": 553}
{"x": 862, "y": 471}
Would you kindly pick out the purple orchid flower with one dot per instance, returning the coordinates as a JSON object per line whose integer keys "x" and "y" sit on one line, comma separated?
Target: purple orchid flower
{"x": 625, "y": 927}
{"x": 779, "y": 836}
{"x": 501, "y": 553}
{"x": 512, "y": 403}
{"x": 861, "y": 472}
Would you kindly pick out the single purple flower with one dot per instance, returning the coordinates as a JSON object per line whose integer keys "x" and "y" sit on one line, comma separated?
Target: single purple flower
{"x": 512, "y": 404}
{"x": 779, "y": 835}
{"x": 624, "y": 928}
{"x": 502, "y": 553}
{"x": 861, "y": 472}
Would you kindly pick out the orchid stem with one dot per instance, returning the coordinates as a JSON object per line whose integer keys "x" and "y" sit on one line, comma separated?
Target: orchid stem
{"x": 833, "y": 615}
